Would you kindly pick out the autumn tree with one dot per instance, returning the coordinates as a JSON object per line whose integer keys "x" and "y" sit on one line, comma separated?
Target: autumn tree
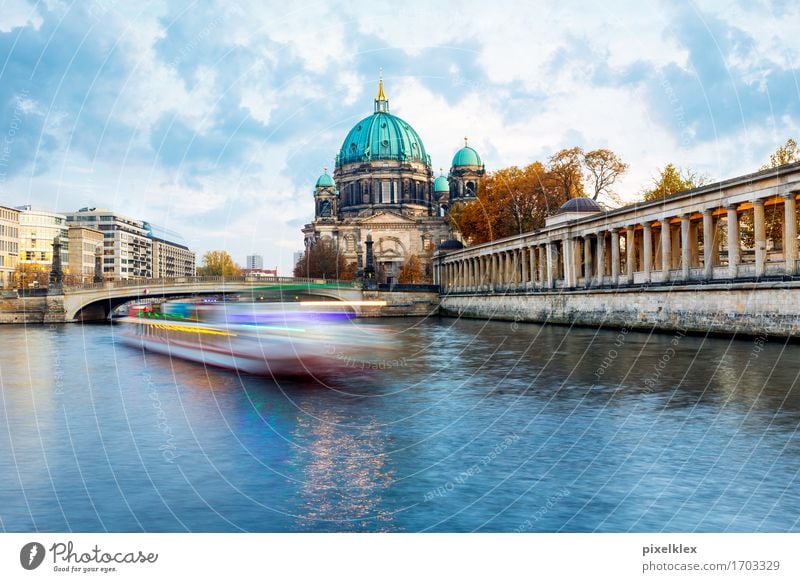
{"x": 510, "y": 201}
{"x": 603, "y": 167}
{"x": 324, "y": 261}
{"x": 218, "y": 264}
{"x": 566, "y": 166}
{"x": 28, "y": 275}
{"x": 785, "y": 154}
{"x": 671, "y": 180}
{"x": 412, "y": 271}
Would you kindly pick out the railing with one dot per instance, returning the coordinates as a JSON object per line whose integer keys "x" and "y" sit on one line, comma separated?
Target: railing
{"x": 180, "y": 281}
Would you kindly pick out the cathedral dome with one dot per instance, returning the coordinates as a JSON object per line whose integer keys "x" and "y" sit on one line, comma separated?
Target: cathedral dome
{"x": 382, "y": 136}
{"x": 325, "y": 181}
{"x": 441, "y": 184}
{"x": 466, "y": 156}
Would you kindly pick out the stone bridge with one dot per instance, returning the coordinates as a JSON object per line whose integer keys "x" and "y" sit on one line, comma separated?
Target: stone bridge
{"x": 96, "y": 301}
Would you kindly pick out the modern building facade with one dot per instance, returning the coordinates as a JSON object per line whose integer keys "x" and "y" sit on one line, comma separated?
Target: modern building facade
{"x": 171, "y": 257}
{"x": 383, "y": 184}
{"x": 84, "y": 245}
{"x": 37, "y": 229}
{"x": 254, "y": 262}
{"x": 9, "y": 245}
{"x": 128, "y": 250}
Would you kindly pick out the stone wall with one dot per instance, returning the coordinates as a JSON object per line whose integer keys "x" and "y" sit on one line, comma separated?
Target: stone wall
{"x": 746, "y": 308}
{"x": 49, "y": 309}
{"x": 401, "y": 304}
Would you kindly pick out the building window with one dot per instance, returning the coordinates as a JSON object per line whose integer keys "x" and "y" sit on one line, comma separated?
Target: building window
{"x": 386, "y": 192}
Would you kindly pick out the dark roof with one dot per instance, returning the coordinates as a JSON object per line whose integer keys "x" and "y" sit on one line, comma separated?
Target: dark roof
{"x": 451, "y": 245}
{"x": 581, "y": 204}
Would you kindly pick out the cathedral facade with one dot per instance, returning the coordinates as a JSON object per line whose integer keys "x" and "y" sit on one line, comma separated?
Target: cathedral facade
{"x": 383, "y": 184}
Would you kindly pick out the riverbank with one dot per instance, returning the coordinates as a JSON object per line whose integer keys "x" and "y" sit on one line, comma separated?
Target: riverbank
{"x": 752, "y": 309}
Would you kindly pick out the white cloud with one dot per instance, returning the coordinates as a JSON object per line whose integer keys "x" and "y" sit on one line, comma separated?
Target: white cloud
{"x": 18, "y": 14}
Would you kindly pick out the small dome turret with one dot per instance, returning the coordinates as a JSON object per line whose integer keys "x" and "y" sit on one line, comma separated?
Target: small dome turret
{"x": 325, "y": 181}
{"x": 441, "y": 184}
{"x": 466, "y": 156}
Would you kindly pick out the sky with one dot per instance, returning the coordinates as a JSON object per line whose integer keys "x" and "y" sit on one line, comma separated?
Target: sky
{"x": 214, "y": 119}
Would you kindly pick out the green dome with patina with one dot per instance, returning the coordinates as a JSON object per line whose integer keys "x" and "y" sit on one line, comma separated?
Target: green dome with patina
{"x": 466, "y": 156}
{"x": 325, "y": 181}
{"x": 441, "y": 184}
{"x": 382, "y": 136}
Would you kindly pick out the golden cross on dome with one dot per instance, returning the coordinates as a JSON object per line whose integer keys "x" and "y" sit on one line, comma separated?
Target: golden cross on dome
{"x": 465, "y": 141}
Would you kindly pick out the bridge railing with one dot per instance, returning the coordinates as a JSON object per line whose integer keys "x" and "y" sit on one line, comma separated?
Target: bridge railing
{"x": 181, "y": 281}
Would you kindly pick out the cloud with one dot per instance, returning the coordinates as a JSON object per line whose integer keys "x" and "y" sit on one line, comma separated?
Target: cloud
{"x": 217, "y": 118}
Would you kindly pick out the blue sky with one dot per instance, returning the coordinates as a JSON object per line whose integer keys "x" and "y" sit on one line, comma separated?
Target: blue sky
{"x": 215, "y": 118}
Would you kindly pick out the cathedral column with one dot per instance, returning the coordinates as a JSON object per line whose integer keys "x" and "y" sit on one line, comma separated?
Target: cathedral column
{"x": 760, "y": 236}
{"x": 685, "y": 247}
{"x": 733, "y": 242}
{"x": 790, "y": 232}
{"x": 708, "y": 244}
{"x": 647, "y": 254}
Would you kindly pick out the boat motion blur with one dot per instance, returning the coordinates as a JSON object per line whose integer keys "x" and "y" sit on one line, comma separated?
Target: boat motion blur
{"x": 268, "y": 339}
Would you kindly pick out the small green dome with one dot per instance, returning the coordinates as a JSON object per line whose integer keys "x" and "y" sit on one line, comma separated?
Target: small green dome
{"x": 325, "y": 181}
{"x": 441, "y": 184}
{"x": 466, "y": 156}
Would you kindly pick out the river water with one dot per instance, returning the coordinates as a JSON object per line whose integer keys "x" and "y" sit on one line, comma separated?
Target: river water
{"x": 476, "y": 426}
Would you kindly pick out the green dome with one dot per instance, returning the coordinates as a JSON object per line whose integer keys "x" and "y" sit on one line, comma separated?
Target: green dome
{"x": 382, "y": 136}
{"x": 466, "y": 156}
{"x": 325, "y": 181}
{"x": 441, "y": 184}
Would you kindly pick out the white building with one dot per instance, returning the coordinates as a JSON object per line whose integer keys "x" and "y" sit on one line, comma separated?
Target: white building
{"x": 37, "y": 229}
{"x": 255, "y": 262}
{"x": 9, "y": 245}
{"x": 128, "y": 250}
{"x": 171, "y": 257}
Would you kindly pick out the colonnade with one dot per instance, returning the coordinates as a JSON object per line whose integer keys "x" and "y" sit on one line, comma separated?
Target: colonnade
{"x": 716, "y": 241}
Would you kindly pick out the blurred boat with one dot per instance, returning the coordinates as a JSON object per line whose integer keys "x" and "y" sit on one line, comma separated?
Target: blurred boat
{"x": 271, "y": 339}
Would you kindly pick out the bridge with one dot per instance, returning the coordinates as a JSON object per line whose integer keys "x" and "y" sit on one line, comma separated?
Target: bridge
{"x": 96, "y": 301}
{"x": 722, "y": 257}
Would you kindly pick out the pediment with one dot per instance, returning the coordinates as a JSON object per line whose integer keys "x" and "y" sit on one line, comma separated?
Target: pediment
{"x": 385, "y": 217}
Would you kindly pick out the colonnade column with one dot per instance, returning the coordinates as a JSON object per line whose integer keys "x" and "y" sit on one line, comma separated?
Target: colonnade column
{"x": 647, "y": 254}
{"x": 708, "y": 244}
{"x": 615, "y": 257}
{"x": 790, "y": 232}
{"x": 601, "y": 256}
{"x": 542, "y": 265}
{"x": 532, "y": 258}
{"x": 685, "y": 254}
{"x": 666, "y": 250}
{"x": 630, "y": 251}
{"x": 733, "y": 242}
{"x": 549, "y": 252}
{"x": 587, "y": 260}
{"x": 760, "y": 236}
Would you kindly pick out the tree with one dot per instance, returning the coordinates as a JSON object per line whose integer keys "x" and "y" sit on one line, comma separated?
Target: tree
{"x": 218, "y": 264}
{"x": 28, "y": 275}
{"x": 412, "y": 271}
{"x": 510, "y": 201}
{"x": 603, "y": 167}
{"x": 566, "y": 166}
{"x": 785, "y": 154}
{"x": 324, "y": 261}
{"x": 672, "y": 180}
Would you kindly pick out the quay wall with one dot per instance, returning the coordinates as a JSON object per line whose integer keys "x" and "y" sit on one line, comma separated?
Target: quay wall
{"x": 43, "y": 309}
{"x": 768, "y": 308}
{"x": 401, "y": 304}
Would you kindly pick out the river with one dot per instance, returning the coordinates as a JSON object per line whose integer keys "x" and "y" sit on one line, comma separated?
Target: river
{"x": 476, "y": 426}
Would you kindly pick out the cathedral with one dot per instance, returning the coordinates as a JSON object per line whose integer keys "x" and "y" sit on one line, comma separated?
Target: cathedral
{"x": 383, "y": 185}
